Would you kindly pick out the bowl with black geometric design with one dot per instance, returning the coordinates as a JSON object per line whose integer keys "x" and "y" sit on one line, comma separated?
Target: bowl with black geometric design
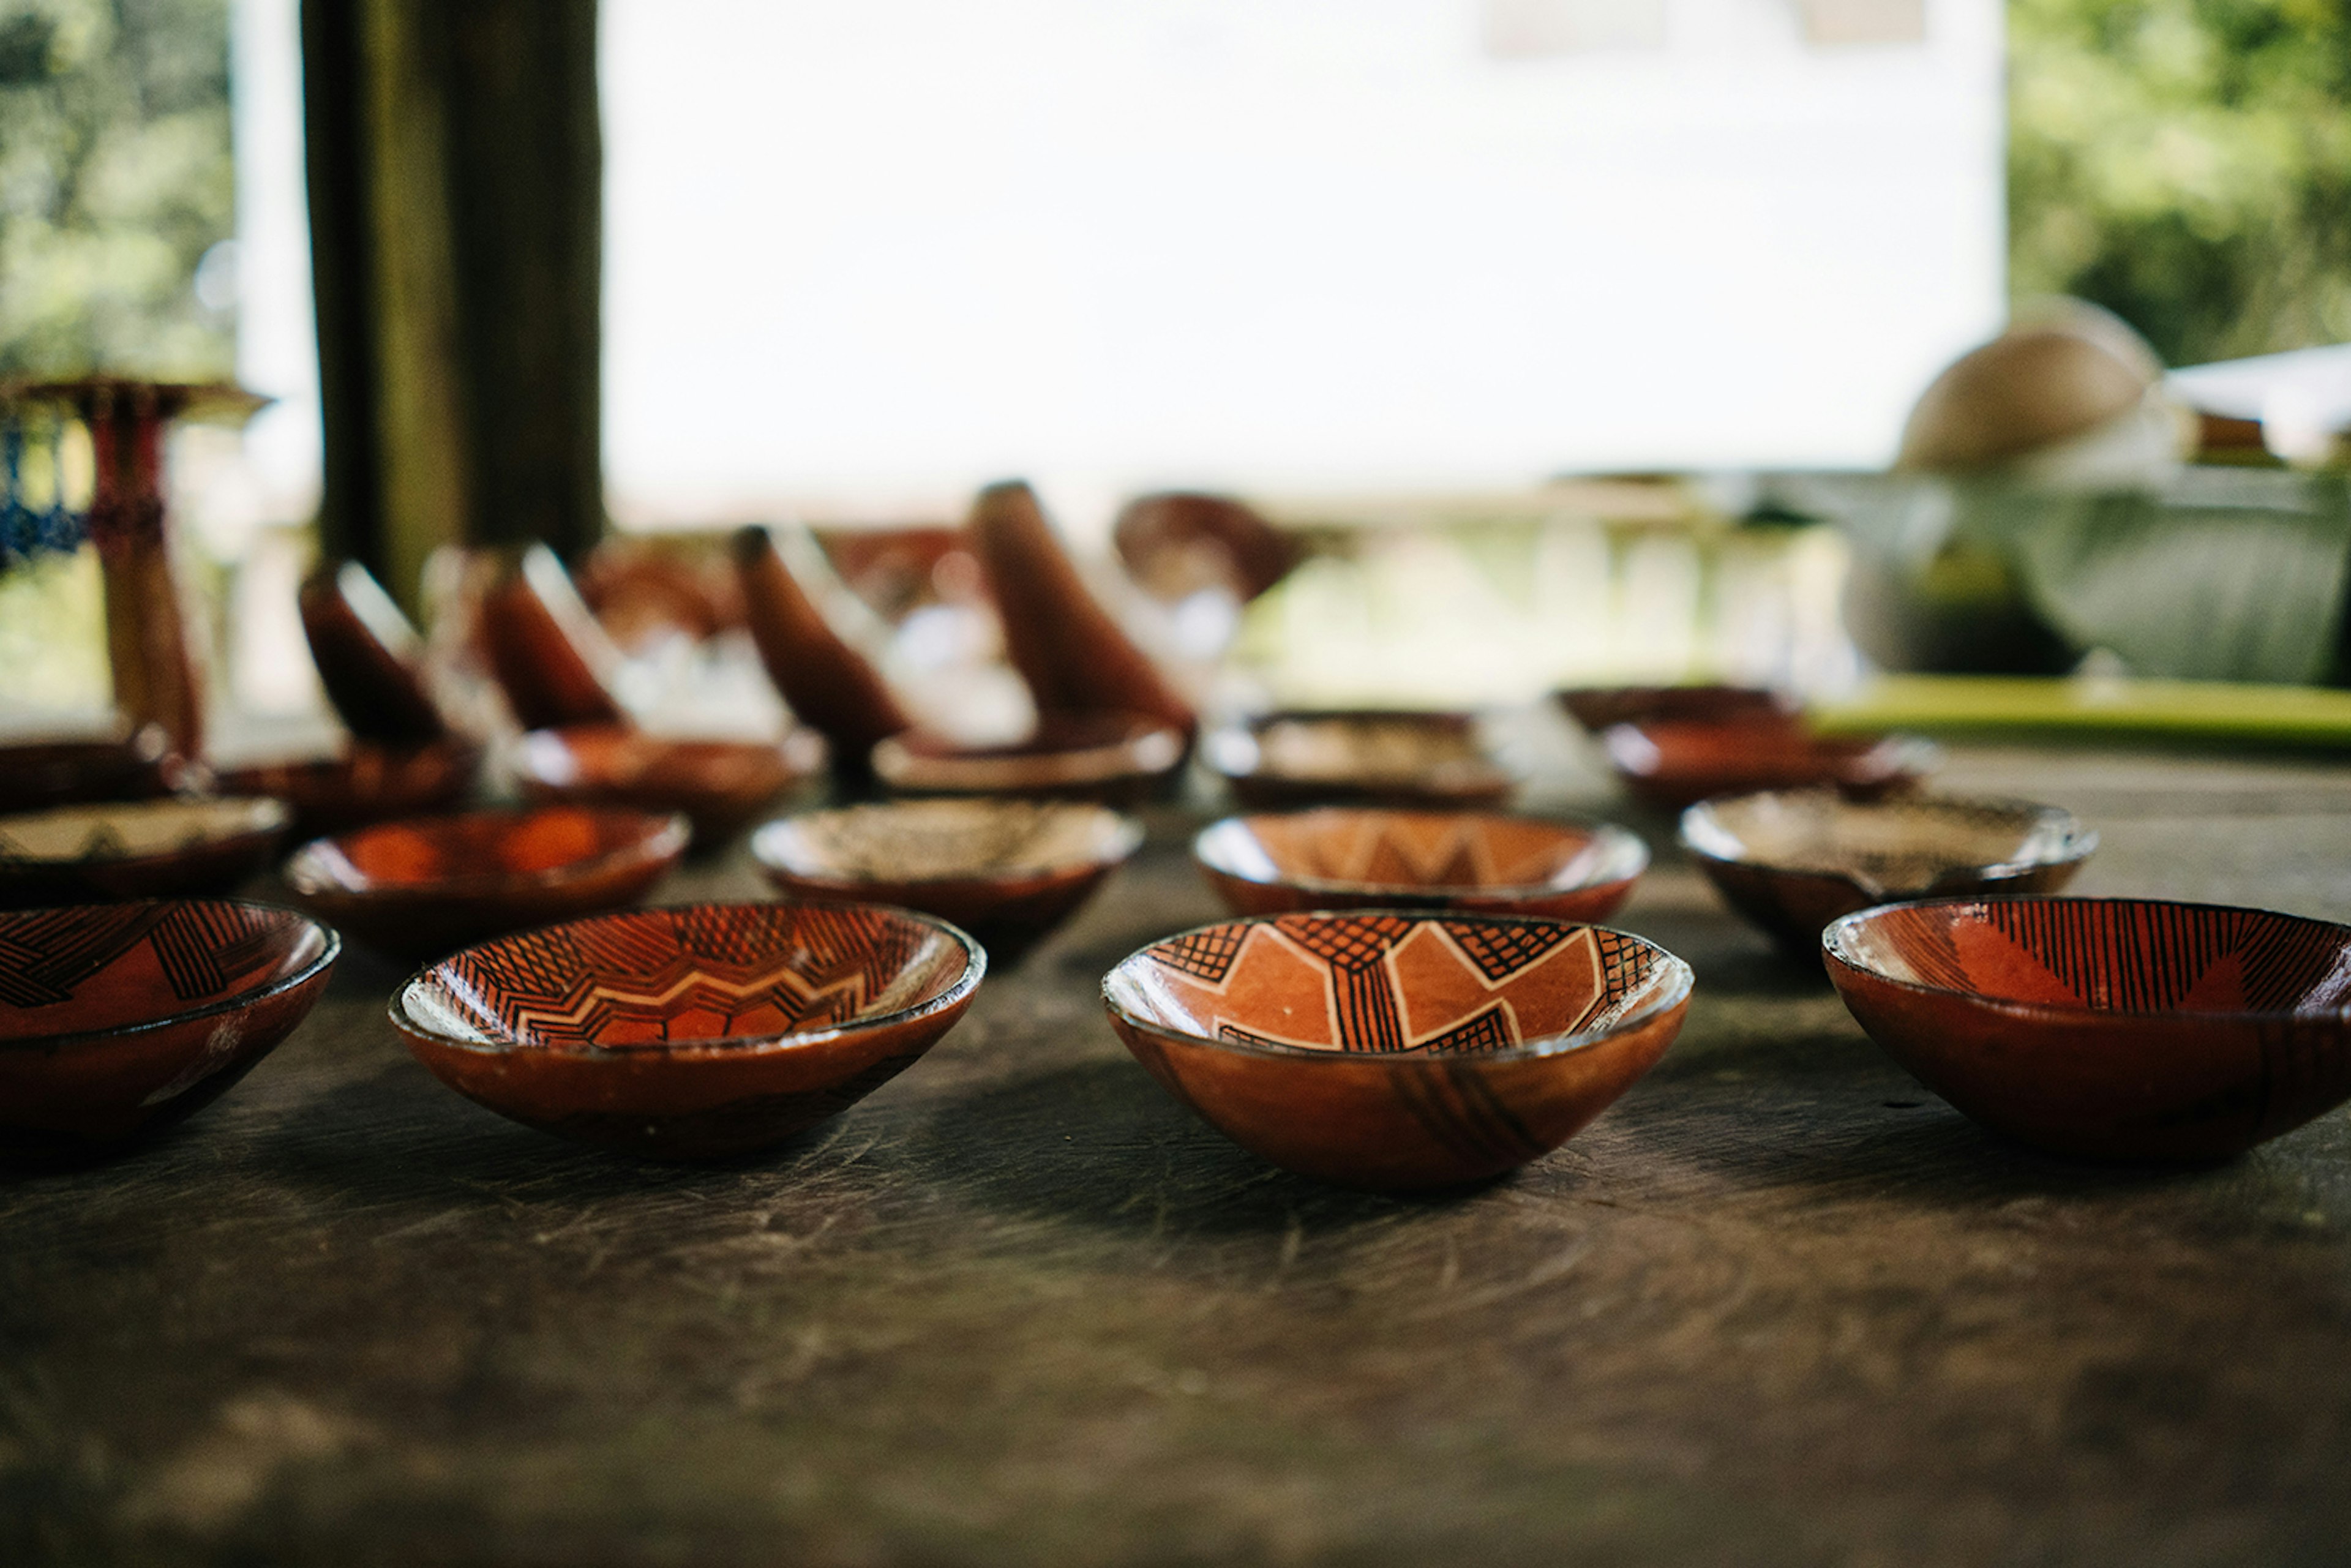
{"x": 118, "y": 1020}
{"x": 169, "y": 848}
{"x": 2110, "y": 1028}
{"x": 696, "y": 1032}
{"x": 1360, "y": 757}
{"x": 365, "y": 782}
{"x": 1008, "y": 871}
{"x": 1343, "y": 857}
{"x": 428, "y": 884}
{"x": 1398, "y": 1050}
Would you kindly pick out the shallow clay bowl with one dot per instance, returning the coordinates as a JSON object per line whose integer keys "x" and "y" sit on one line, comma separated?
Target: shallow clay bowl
{"x": 1359, "y": 756}
{"x": 142, "y": 849}
{"x": 2128, "y": 1029}
{"x": 1116, "y": 759}
{"x": 1398, "y": 1049}
{"x": 130, "y": 767}
{"x": 427, "y": 884}
{"x": 1791, "y": 862}
{"x": 1343, "y": 857}
{"x": 1008, "y": 871}
{"x": 690, "y": 1033}
{"x": 1676, "y": 765}
{"x": 722, "y": 786}
{"x": 1598, "y": 708}
{"x": 367, "y": 783}
{"x": 117, "y": 1020}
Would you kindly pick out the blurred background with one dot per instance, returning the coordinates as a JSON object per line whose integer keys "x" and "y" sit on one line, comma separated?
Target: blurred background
{"x": 1574, "y": 339}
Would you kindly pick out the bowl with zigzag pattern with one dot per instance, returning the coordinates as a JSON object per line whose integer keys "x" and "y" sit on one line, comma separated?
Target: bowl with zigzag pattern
{"x": 1398, "y": 1049}
{"x": 695, "y": 1032}
{"x": 2112, "y": 1028}
{"x": 1341, "y": 857}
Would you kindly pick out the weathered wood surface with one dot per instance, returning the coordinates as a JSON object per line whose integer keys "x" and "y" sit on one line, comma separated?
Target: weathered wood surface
{"x": 1779, "y": 1306}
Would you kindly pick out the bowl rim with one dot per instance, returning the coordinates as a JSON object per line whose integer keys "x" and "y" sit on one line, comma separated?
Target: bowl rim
{"x": 975, "y": 969}
{"x": 453, "y": 750}
{"x": 268, "y": 825}
{"x": 665, "y": 838}
{"x": 1622, "y": 839}
{"x": 1128, "y": 836}
{"x": 1672, "y": 994}
{"x": 1235, "y": 751}
{"x": 1832, "y": 935}
{"x": 329, "y": 950}
{"x": 2080, "y": 840}
{"x": 1782, "y": 701}
{"x": 800, "y": 750}
{"x": 1138, "y": 753}
{"x": 1901, "y": 751}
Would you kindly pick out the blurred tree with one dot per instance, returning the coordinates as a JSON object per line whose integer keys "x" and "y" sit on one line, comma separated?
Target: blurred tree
{"x": 2186, "y": 163}
{"x": 116, "y": 178}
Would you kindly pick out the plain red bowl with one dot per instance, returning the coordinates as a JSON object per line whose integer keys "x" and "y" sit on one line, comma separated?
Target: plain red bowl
{"x": 1676, "y": 765}
{"x": 1113, "y": 759}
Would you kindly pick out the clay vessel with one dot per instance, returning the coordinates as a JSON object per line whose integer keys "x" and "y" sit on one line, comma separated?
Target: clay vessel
{"x": 369, "y": 658}
{"x": 722, "y": 786}
{"x": 551, "y": 658}
{"x": 1598, "y": 708}
{"x": 1115, "y": 759}
{"x": 1370, "y": 756}
{"x": 1671, "y": 766}
{"x": 364, "y": 783}
{"x": 140, "y": 849}
{"x": 830, "y": 685}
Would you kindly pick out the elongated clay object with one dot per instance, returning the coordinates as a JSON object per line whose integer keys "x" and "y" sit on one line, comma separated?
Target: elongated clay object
{"x": 830, "y": 685}
{"x": 1065, "y": 645}
{"x": 546, "y": 649}
{"x": 370, "y": 658}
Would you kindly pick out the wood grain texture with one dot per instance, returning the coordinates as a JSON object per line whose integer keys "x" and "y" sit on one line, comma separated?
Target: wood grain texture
{"x": 1779, "y": 1306}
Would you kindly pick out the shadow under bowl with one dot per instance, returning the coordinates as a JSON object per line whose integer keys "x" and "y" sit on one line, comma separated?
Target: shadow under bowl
{"x": 117, "y": 1020}
{"x": 1111, "y": 758}
{"x": 1008, "y": 871}
{"x": 722, "y": 786}
{"x": 427, "y": 884}
{"x": 2116, "y": 1028}
{"x": 1398, "y": 1050}
{"x": 1599, "y": 708}
{"x": 367, "y": 783}
{"x": 1791, "y": 861}
{"x": 1369, "y": 757}
{"x": 143, "y": 849}
{"x": 696, "y": 1032}
{"x": 1343, "y": 857}
{"x": 1672, "y": 766}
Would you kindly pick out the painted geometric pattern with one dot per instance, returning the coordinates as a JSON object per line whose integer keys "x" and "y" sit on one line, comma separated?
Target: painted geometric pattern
{"x": 647, "y": 977}
{"x": 1388, "y": 983}
{"x": 101, "y": 966}
{"x": 2124, "y": 955}
{"x": 1413, "y": 849}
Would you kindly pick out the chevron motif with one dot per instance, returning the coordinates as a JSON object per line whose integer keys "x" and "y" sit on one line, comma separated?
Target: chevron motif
{"x": 100, "y": 966}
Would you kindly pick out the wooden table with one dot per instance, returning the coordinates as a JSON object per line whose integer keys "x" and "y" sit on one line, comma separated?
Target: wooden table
{"x": 1779, "y": 1305}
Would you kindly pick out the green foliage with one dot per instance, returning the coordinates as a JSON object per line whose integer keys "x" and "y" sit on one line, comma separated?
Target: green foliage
{"x": 115, "y": 178}
{"x": 2186, "y": 163}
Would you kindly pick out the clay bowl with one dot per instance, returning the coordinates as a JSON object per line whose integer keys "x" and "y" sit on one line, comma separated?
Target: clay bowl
{"x": 2124, "y": 1028}
{"x": 1008, "y": 871}
{"x": 1396, "y": 1048}
{"x": 1672, "y": 766}
{"x": 117, "y": 1020}
{"x": 690, "y": 1033}
{"x": 1341, "y": 857}
{"x": 1116, "y": 759}
{"x": 722, "y": 786}
{"x": 369, "y": 658}
{"x": 367, "y": 783}
{"x": 1791, "y": 861}
{"x": 428, "y": 884}
{"x": 1599, "y": 708}
{"x": 140, "y": 849}
{"x": 1368, "y": 757}
{"x": 121, "y": 767}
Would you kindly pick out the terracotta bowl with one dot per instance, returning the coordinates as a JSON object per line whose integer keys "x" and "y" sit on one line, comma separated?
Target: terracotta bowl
{"x": 1394, "y": 1048}
{"x": 690, "y": 1033}
{"x": 722, "y": 786}
{"x": 367, "y": 783}
{"x": 142, "y": 849}
{"x": 1791, "y": 861}
{"x": 1599, "y": 708}
{"x": 2128, "y": 1029}
{"x": 1008, "y": 871}
{"x": 1676, "y": 765}
{"x": 117, "y": 1020}
{"x": 1359, "y": 756}
{"x": 427, "y": 884}
{"x": 123, "y": 766}
{"x": 1117, "y": 759}
{"x": 1345, "y": 857}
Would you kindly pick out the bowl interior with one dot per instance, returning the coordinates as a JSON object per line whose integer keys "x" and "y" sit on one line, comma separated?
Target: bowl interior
{"x": 486, "y": 848}
{"x": 1128, "y": 740}
{"x": 1741, "y": 746}
{"x": 134, "y": 829}
{"x": 1888, "y": 848}
{"x": 2107, "y": 955}
{"x": 93, "y": 969}
{"x": 1380, "y": 982}
{"x": 1355, "y": 849}
{"x": 614, "y": 757}
{"x": 702, "y": 975}
{"x": 937, "y": 841}
{"x": 1401, "y": 746}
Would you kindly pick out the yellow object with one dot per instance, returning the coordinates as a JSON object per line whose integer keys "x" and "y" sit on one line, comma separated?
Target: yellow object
{"x": 2095, "y": 707}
